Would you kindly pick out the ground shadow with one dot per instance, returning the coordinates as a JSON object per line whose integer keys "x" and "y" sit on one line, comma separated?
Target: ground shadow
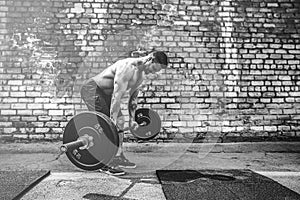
{"x": 95, "y": 196}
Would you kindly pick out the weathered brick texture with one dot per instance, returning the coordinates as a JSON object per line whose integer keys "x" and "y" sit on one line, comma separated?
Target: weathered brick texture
{"x": 234, "y": 71}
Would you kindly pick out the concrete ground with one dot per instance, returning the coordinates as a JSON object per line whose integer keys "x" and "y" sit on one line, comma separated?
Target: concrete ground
{"x": 277, "y": 160}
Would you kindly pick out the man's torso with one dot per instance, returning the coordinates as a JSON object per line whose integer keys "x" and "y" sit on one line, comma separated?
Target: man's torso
{"x": 105, "y": 80}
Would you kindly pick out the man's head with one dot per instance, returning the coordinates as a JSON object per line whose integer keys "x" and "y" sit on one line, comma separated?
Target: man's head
{"x": 155, "y": 62}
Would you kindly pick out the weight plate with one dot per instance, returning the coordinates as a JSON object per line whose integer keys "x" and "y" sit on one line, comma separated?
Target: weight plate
{"x": 151, "y": 126}
{"x": 105, "y": 138}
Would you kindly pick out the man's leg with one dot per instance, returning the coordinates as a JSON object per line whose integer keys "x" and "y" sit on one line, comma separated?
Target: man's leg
{"x": 96, "y": 100}
{"x": 121, "y": 123}
{"x": 120, "y": 159}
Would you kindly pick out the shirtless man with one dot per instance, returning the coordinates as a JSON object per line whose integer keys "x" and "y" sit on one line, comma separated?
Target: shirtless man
{"x": 103, "y": 93}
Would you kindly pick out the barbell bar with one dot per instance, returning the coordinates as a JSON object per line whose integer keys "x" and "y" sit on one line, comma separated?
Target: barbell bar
{"x": 91, "y": 139}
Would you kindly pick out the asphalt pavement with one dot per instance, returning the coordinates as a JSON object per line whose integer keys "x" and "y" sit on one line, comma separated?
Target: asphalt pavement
{"x": 277, "y": 160}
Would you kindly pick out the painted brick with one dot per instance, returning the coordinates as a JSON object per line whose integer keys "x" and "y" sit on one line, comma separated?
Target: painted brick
{"x": 5, "y": 124}
{"x": 18, "y": 106}
{"x": 186, "y": 130}
{"x": 37, "y": 124}
{"x": 9, "y": 130}
{"x": 44, "y": 118}
{"x": 52, "y": 124}
{"x": 41, "y": 130}
{"x": 30, "y": 119}
{"x": 50, "y": 106}
{"x": 56, "y": 112}
{"x": 17, "y": 94}
{"x": 8, "y": 112}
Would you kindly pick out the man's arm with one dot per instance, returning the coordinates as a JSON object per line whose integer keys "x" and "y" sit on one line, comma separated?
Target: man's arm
{"x": 122, "y": 77}
{"x": 119, "y": 90}
{"x": 132, "y": 104}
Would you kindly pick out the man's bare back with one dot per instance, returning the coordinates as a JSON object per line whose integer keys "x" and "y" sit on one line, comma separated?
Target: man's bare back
{"x": 124, "y": 72}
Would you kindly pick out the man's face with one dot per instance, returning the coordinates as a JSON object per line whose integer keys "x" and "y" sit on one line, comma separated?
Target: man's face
{"x": 153, "y": 68}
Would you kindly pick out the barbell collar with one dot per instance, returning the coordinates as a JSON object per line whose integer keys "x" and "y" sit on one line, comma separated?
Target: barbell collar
{"x": 73, "y": 145}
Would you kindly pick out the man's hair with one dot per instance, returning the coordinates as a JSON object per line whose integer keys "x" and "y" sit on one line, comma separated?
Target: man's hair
{"x": 161, "y": 58}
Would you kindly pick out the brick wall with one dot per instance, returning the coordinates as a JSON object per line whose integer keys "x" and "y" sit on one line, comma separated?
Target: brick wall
{"x": 234, "y": 64}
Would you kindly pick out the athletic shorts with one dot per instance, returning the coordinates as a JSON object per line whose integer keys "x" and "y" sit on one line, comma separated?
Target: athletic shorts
{"x": 95, "y": 98}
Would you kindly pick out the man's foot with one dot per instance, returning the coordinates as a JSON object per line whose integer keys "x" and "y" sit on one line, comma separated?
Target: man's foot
{"x": 112, "y": 171}
{"x": 121, "y": 161}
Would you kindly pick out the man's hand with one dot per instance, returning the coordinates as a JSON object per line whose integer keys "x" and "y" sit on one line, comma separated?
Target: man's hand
{"x": 120, "y": 122}
{"x": 133, "y": 124}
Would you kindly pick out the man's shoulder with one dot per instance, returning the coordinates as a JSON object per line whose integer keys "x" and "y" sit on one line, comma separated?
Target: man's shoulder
{"x": 126, "y": 63}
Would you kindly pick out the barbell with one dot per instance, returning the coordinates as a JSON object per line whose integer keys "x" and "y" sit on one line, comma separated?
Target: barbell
{"x": 91, "y": 139}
